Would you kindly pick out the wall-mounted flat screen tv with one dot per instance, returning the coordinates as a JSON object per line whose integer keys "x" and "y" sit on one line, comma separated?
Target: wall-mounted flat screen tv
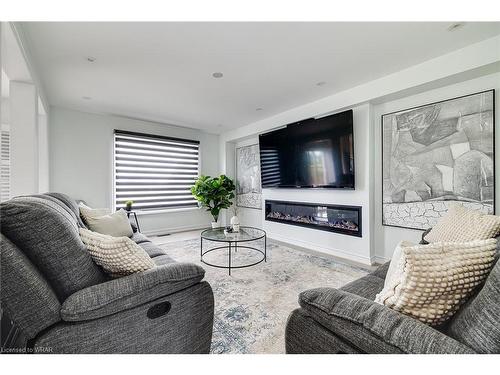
{"x": 313, "y": 153}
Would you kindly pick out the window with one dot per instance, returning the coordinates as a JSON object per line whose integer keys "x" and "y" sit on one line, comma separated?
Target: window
{"x": 155, "y": 172}
{"x": 4, "y": 163}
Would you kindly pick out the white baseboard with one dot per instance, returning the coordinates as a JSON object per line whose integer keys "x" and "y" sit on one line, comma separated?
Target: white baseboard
{"x": 164, "y": 231}
{"x": 327, "y": 250}
{"x": 380, "y": 260}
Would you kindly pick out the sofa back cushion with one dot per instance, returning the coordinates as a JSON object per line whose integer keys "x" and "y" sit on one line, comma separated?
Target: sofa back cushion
{"x": 48, "y": 235}
{"x": 477, "y": 324}
{"x": 68, "y": 203}
{"x": 26, "y": 296}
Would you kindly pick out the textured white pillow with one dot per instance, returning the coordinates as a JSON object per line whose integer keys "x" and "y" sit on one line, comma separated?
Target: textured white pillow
{"x": 115, "y": 224}
{"x": 119, "y": 256}
{"x": 461, "y": 224}
{"x": 394, "y": 271}
{"x": 430, "y": 282}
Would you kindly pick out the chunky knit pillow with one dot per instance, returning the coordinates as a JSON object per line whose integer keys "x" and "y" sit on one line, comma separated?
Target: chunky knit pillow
{"x": 119, "y": 256}
{"x": 461, "y": 224}
{"x": 430, "y": 282}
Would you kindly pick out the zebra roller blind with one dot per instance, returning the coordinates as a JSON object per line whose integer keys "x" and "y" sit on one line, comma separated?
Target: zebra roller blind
{"x": 155, "y": 172}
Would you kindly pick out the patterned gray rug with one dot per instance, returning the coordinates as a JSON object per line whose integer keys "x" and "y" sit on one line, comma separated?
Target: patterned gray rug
{"x": 253, "y": 304}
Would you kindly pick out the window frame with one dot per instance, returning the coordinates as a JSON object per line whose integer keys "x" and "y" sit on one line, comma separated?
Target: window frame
{"x": 157, "y": 137}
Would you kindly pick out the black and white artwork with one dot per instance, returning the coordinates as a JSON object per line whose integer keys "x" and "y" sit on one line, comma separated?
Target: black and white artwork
{"x": 248, "y": 187}
{"x": 436, "y": 155}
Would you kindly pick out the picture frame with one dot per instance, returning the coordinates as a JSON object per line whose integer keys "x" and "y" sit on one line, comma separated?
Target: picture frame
{"x": 435, "y": 155}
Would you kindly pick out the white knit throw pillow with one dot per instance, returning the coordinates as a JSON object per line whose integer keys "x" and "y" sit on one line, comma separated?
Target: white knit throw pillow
{"x": 461, "y": 224}
{"x": 119, "y": 256}
{"x": 431, "y": 282}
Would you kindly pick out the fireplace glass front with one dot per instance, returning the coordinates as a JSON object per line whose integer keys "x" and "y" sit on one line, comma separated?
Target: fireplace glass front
{"x": 334, "y": 218}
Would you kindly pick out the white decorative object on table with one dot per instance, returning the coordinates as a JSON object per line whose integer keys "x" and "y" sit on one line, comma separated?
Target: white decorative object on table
{"x": 215, "y": 224}
{"x": 235, "y": 223}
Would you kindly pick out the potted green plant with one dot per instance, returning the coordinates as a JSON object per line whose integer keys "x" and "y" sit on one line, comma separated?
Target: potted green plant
{"x": 128, "y": 205}
{"x": 214, "y": 193}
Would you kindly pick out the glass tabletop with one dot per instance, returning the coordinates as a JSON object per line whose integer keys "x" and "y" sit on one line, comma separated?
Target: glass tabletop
{"x": 245, "y": 234}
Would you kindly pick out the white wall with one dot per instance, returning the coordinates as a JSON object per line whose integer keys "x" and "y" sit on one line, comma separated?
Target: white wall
{"x": 43, "y": 149}
{"x": 81, "y": 162}
{"x": 23, "y": 139}
{"x": 386, "y": 238}
{"x": 4, "y": 111}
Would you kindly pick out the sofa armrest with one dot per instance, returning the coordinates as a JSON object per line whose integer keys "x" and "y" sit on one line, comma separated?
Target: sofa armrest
{"x": 374, "y": 328}
{"x": 130, "y": 291}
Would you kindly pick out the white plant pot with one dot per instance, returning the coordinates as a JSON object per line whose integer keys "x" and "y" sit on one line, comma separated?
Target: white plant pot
{"x": 215, "y": 225}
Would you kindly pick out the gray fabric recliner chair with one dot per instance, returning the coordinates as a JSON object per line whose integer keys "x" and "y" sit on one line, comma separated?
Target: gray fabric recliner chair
{"x": 62, "y": 302}
{"x": 346, "y": 320}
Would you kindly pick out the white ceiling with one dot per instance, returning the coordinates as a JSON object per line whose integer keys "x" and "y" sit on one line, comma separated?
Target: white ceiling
{"x": 163, "y": 71}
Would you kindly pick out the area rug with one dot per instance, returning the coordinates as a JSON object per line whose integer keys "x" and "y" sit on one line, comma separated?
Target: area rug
{"x": 253, "y": 304}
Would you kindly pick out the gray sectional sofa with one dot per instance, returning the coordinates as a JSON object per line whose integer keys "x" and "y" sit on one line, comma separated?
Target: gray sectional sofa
{"x": 346, "y": 320}
{"x": 62, "y": 302}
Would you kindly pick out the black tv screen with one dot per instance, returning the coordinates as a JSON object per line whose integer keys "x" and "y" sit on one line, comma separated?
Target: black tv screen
{"x": 313, "y": 153}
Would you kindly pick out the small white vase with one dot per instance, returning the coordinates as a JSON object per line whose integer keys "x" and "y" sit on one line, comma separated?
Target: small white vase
{"x": 215, "y": 225}
{"x": 235, "y": 223}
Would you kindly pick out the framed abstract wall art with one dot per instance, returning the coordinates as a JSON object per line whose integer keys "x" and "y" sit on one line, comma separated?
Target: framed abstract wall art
{"x": 436, "y": 155}
{"x": 248, "y": 186}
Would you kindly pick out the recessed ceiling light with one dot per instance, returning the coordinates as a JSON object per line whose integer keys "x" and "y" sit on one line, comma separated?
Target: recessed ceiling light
{"x": 321, "y": 83}
{"x": 217, "y": 75}
{"x": 455, "y": 26}
{"x": 90, "y": 59}
{"x": 86, "y": 97}
{"x": 259, "y": 109}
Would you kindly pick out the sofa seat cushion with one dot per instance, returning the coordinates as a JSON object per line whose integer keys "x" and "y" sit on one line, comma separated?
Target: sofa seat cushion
{"x": 162, "y": 260}
{"x": 152, "y": 250}
{"x": 139, "y": 238}
{"x": 367, "y": 286}
{"x": 477, "y": 323}
{"x": 48, "y": 235}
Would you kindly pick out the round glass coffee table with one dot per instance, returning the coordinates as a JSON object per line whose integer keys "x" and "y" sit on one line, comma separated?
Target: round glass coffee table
{"x": 246, "y": 238}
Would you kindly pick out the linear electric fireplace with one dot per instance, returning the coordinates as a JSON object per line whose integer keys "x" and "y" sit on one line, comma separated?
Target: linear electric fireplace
{"x": 332, "y": 218}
